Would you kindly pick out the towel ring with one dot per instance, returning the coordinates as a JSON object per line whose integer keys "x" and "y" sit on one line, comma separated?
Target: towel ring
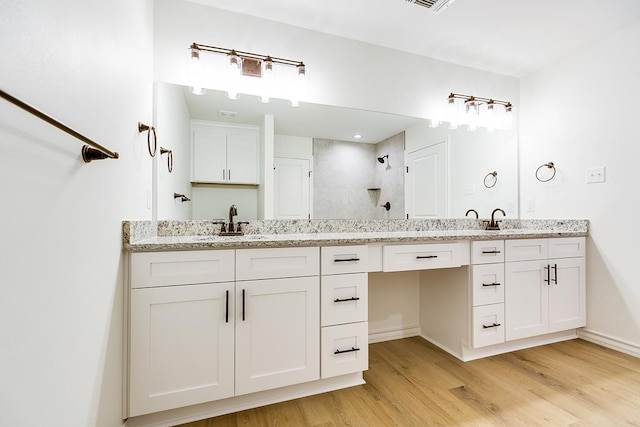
{"x": 494, "y": 174}
{"x": 142, "y": 128}
{"x": 549, "y": 165}
{"x": 169, "y": 158}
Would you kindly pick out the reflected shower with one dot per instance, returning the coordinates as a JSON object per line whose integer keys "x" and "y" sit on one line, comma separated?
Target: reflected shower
{"x": 381, "y": 159}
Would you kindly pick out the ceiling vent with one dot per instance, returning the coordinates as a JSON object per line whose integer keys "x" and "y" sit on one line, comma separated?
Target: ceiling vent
{"x": 435, "y": 6}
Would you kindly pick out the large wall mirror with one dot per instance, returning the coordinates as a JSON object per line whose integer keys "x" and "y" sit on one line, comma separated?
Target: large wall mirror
{"x": 399, "y": 165}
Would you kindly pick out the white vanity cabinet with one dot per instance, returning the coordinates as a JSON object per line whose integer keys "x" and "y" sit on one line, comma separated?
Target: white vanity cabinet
{"x": 487, "y": 293}
{"x": 344, "y": 310}
{"x": 224, "y": 154}
{"x": 181, "y": 336}
{"x": 277, "y": 318}
{"x": 545, "y": 286}
{"x": 213, "y": 324}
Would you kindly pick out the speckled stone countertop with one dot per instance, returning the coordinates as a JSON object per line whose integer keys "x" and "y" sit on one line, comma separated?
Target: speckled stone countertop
{"x": 140, "y": 236}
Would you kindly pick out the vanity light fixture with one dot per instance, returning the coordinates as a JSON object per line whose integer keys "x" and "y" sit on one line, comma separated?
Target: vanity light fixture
{"x": 477, "y": 111}
{"x": 243, "y": 65}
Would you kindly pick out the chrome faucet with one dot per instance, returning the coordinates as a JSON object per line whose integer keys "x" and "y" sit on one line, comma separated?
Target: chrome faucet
{"x": 472, "y": 210}
{"x": 493, "y": 225}
{"x": 233, "y": 211}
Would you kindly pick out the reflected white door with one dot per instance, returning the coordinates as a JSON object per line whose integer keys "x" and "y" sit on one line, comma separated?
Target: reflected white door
{"x": 292, "y": 187}
{"x": 426, "y": 185}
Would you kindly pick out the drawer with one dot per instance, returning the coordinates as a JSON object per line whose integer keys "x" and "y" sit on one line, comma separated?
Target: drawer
{"x": 424, "y": 256}
{"x": 344, "y": 259}
{"x": 566, "y": 247}
{"x": 343, "y": 299}
{"x": 487, "y": 251}
{"x": 487, "y": 284}
{"x": 525, "y": 249}
{"x": 150, "y": 269}
{"x": 488, "y": 325}
{"x": 273, "y": 263}
{"x": 344, "y": 349}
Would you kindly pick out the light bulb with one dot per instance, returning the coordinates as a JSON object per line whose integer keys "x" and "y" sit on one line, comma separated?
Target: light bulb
{"x": 267, "y": 79}
{"x": 300, "y": 85}
{"x": 235, "y": 70}
{"x": 195, "y": 71}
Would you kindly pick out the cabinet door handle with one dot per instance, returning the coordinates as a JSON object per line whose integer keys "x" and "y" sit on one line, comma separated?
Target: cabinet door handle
{"x": 490, "y": 284}
{"x": 226, "y": 316}
{"x": 243, "y": 305}
{"x": 352, "y": 349}
{"x": 495, "y": 325}
{"x": 426, "y": 256}
{"x": 223, "y": 174}
{"x": 346, "y": 260}
{"x": 346, "y": 299}
{"x": 491, "y": 252}
{"x": 548, "y": 279}
{"x": 229, "y": 174}
{"x": 555, "y": 273}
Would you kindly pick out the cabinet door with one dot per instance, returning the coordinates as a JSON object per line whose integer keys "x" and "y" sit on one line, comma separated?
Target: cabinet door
{"x": 567, "y": 294}
{"x": 209, "y": 155}
{"x": 526, "y": 299}
{"x": 277, "y": 333}
{"x": 242, "y": 157}
{"x": 181, "y": 346}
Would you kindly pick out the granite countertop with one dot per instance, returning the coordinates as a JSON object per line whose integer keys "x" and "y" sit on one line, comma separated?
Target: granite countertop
{"x": 142, "y": 236}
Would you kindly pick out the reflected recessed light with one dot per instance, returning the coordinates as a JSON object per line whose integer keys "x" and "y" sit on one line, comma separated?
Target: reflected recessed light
{"x": 357, "y": 136}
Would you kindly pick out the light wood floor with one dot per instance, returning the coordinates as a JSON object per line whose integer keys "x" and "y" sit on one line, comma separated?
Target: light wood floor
{"x": 412, "y": 383}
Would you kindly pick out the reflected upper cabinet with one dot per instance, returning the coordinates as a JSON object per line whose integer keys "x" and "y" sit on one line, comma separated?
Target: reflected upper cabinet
{"x": 223, "y": 154}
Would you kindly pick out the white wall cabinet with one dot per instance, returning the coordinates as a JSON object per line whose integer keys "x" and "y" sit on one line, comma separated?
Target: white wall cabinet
{"x": 547, "y": 292}
{"x": 224, "y": 154}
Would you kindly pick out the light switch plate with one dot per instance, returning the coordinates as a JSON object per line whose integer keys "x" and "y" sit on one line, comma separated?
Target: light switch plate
{"x": 595, "y": 175}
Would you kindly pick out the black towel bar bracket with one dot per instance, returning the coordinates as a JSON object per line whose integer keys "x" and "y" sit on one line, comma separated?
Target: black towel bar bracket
{"x": 91, "y": 151}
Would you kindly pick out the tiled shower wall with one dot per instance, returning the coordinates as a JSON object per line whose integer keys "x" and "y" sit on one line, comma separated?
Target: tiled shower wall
{"x": 345, "y": 173}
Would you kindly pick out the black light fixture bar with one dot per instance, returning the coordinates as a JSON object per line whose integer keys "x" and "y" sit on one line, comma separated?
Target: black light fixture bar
{"x": 249, "y": 55}
{"x": 452, "y": 95}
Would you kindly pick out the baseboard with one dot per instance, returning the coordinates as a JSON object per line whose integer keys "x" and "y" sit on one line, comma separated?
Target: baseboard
{"x": 226, "y": 406}
{"x": 610, "y": 342}
{"x": 393, "y": 334}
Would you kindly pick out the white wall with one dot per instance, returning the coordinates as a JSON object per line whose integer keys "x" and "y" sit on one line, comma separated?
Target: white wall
{"x": 88, "y": 64}
{"x": 173, "y": 124}
{"x": 581, "y": 113}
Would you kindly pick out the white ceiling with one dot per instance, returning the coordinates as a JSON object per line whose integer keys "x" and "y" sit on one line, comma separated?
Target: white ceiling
{"x": 510, "y": 37}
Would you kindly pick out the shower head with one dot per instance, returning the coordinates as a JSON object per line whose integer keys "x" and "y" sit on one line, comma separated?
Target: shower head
{"x": 381, "y": 159}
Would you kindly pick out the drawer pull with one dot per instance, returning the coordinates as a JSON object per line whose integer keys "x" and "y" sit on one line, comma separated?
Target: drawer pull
{"x": 490, "y": 284}
{"x": 495, "y": 325}
{"x": 352, "y": 349}
{"x": 555, "y": 273}
{"x": 491, "y": 252}
{"x": 426, "y": 256}
{"x": 346, "y": 299}
{"x": 346, "y": 260}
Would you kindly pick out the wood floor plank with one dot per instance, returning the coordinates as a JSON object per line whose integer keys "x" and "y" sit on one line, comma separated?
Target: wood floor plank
{"x": 411, "y": 382}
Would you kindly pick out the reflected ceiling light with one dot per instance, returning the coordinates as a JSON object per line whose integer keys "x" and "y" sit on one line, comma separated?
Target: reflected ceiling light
{"x": 246, "y": 64}
{"x": 475, "y": 111}
{"x": 357, "y": 136}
